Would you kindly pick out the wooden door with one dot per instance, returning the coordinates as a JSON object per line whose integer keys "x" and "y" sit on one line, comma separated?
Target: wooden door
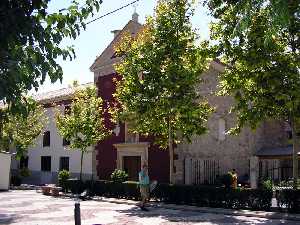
{"x": 132, "y": 166}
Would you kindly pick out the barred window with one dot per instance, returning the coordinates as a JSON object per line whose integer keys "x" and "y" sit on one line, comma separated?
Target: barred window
{"x": 64, "y": 163}
{"x": 45, "y": 163}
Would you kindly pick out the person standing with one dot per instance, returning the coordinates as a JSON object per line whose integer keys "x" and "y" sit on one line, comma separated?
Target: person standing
{"x": 234, "y": 179}
{"x": 144, "y": 186}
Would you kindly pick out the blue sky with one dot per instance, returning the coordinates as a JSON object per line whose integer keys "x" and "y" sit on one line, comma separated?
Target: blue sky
{"x": 97, "y": 36}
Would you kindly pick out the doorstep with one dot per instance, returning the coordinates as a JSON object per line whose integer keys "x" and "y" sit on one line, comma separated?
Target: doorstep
{"x": 235, "y": 212}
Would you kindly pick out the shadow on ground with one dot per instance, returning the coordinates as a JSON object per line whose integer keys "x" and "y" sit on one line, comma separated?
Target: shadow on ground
{"x": 7, "y": 218}
{"x": 186, "y": 217}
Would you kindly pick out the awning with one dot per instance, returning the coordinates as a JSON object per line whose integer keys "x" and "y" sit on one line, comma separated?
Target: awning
{"x": 276, "y": 153}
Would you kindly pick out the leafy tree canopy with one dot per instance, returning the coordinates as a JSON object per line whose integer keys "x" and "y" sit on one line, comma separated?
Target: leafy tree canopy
{"x": 159, "y": 69}
{"x": 263, "y": 72}
{"x": 20, "y": 130}
{"x": 83, "y": 124}
{"x": 281, "y": 14}
{"x": 260, "y": 40}
{"x": 30, "y": 40}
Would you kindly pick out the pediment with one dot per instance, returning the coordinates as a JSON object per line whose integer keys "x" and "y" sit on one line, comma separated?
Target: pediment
{"x": 103, "y": 65}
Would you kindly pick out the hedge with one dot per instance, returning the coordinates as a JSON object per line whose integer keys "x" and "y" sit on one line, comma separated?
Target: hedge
{"x": 210, "y": 196}
{"x": 288, "y": 199}
{"x": 204, "y": 196}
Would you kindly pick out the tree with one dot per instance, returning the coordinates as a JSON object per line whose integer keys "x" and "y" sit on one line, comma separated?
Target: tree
{"x": 30, "y": 39}
{"x": 160, "y": 69}
{"x": 259, "y": 40}
{"x": 20, "y": 130}
{"x": 83, "y": 125}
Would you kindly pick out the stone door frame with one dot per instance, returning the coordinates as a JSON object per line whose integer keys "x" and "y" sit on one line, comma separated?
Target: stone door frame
{"x": 132, "y": 149}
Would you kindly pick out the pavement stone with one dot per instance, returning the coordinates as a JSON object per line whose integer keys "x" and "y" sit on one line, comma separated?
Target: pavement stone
{"x": 31, "y": 208}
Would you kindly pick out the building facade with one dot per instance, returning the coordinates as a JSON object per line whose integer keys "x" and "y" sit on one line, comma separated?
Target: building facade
{"x": 207, "y": 157}
{"x": 51, "y": 153}
{"x": 124, "y": 150}
{"x": 252, "y": 154}
{"x": 215, "y": 153}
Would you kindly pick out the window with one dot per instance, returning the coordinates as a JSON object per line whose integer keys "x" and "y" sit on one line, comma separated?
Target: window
{"x": 64, "y": 163}
{"x": 65, "y": 142}
{"x": 24, "y": 162}
{"x": 46, "y": 139}
{"x": 222, "y": 128}
{"x": 67, "y": 109}
{"x": 46, "y": 163}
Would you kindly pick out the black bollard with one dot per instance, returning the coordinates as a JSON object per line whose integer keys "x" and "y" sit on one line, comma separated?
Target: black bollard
{"x": 77, "y": 214}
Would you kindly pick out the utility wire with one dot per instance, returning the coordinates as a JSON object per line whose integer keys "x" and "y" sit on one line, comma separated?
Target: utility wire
{"x": 124, "y": 6}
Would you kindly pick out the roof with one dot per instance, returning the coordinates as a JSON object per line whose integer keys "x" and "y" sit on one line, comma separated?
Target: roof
{"x": 105, "y": 57}
{"x": 103, "y": 64}
{"x": 56, "y": 95}
{"x": 279, "y": 151}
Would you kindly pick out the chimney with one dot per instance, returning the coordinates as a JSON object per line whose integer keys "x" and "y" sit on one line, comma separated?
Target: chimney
{"x": 135, "y": 17}
{"x": 115, "y": 32}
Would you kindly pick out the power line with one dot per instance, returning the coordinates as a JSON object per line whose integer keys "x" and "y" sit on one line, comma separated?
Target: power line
{"x": 100, "y": 17}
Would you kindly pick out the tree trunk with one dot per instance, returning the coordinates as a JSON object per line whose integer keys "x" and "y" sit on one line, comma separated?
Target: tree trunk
{"x": 81, "y": 160}
{"x": 171, "y": 153}
{"x": 296, "y": 148}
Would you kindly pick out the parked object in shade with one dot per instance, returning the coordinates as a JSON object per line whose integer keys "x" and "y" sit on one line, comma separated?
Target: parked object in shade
{"x": 5, "y": 161}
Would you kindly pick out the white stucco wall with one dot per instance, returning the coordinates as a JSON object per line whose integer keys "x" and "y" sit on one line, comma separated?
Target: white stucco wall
{"x": 57, "y": 150}
{"x": 5, "y": 159}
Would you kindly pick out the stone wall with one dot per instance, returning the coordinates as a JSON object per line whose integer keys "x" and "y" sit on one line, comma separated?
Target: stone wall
{"x": 229, "y": 150}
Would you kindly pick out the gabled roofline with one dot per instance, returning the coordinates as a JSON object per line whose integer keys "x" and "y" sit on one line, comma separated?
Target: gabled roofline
{"x": 92, "y": 67}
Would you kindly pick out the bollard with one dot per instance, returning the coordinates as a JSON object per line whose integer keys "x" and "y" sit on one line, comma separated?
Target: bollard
{"x": 77, "y": 214}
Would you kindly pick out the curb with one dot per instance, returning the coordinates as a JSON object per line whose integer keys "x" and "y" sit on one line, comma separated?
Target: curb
{"x": 247, "y": 213}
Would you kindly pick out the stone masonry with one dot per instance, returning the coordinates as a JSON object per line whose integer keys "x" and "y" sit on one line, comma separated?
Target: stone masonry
{"x": 230, "y": 151}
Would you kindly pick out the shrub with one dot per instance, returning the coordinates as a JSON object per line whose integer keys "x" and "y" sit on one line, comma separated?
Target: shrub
{"x": 15, "y": 180}
{"x": 63, "y": 176}
{"x": 209, "y": 196}
{"x": 24, "y": 172}
{"x": 267, "y": 184}
{"x": 128, "y": 189}
{"x": 131, "y": 190}
{"x": 119, "y": 176}
{"x": 288, "y": 184}
{"x": 226, "y": 180}
{"x": 289, "y": 198}
{"x": 76, "y": 186}
{"x": 204, "y": 196}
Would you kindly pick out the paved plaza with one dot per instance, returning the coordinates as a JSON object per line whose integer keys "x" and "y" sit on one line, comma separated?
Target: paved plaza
{"x": 32, "y": 208}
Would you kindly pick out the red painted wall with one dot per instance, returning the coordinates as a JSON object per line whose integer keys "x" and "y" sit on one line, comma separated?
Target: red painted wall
{"x": 158, "y": 160}
{"x": 107, "y": 154}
